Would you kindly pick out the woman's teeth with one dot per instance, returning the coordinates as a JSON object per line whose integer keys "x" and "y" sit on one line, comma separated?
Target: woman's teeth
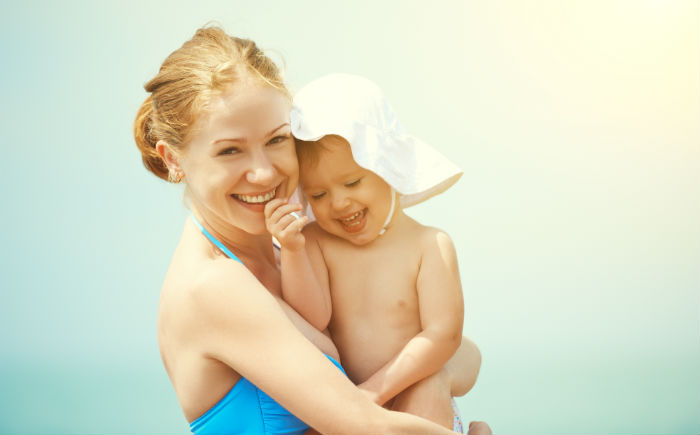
{"x": 256, "y": 199}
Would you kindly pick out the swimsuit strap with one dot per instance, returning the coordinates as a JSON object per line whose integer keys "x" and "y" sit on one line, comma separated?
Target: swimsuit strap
{"x": 391, "y": 211}
{"x": 212, "y": 239}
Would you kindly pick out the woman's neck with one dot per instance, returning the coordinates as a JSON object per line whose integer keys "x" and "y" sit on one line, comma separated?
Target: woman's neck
{"x": 255, "y": 248}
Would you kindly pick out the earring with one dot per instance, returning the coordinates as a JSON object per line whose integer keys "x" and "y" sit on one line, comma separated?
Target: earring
{"x": 175, "y": 176}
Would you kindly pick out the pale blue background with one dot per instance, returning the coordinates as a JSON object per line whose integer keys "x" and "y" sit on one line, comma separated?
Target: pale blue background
{"x": 576, "y": 221}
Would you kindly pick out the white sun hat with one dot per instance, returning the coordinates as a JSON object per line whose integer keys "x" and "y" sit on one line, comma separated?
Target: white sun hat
{"x": 356, "y": 109}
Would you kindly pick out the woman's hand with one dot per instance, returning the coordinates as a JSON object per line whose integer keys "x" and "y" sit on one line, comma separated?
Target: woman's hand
{"x": 284, "y": 225}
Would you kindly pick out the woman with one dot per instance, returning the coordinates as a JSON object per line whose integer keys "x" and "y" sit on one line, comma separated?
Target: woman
{"x": 217, "y": 118}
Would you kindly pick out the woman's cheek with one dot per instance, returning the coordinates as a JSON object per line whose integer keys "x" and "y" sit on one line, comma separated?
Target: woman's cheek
{"x": 292, "y": 172}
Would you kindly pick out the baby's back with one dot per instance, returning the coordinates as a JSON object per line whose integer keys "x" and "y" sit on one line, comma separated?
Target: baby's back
{"x": 375, "y": 302}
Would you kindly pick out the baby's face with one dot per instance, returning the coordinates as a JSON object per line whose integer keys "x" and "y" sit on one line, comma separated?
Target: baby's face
{"x": 347, "y": 200}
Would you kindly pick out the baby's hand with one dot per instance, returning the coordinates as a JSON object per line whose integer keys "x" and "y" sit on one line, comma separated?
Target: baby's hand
{"x": 283, "y": 225}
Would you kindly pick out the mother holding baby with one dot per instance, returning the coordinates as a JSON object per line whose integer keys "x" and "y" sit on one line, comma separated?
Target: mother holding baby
{"x": 241, "y": 360}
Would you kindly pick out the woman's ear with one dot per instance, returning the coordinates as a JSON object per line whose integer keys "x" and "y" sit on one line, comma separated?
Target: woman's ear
{"x": 167, "y": 154}
{"x": 170, "y": 157}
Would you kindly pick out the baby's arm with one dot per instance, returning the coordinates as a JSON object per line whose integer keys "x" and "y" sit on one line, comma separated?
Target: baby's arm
{"x": 441, "y": 313}
{"x": 302, "y": 288}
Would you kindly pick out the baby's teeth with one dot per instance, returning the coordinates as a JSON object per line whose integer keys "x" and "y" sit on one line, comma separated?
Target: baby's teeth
{"x": 352, "y": 217}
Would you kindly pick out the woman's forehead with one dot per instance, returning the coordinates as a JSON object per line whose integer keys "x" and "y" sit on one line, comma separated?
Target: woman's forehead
{"x": 245, "y": 112}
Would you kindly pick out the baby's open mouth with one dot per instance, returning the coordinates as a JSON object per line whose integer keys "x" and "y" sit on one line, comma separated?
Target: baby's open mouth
{"x": 354, "y": 219}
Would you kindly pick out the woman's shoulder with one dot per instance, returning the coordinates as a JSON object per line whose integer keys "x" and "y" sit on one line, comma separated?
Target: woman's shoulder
{"x": 210, "y": 308}
{"x": 195, "y": 266}
{"x": 199, "y": 283}
{"x": 206, "y": 282}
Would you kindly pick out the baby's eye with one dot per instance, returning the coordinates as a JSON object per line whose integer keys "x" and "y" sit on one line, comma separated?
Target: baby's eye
{"x": 353, "y": 183}
{"x": 318, "y": 195}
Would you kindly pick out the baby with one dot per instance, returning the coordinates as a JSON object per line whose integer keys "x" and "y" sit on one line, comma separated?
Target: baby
{"x": 397, "y": 307}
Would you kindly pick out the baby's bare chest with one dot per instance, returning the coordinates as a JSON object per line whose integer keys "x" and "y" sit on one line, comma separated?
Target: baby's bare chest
{"x": 381, "y": 282}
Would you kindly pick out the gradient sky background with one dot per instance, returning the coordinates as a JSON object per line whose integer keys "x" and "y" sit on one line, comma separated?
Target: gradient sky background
{"x": 576, "y": 221}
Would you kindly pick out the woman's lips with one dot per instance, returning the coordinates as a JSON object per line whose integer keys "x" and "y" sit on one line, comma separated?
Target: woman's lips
{"x": 256, "y": 201}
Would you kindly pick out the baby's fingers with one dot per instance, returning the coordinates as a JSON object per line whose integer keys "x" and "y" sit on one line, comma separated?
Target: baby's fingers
{"x": 294, "y": 227}
{"x": 298, "y": 224}
{"x": 272, "y": 206}
{"x": 284, "y": 211}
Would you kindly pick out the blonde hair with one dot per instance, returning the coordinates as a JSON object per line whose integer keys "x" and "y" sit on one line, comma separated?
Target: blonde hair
{"x": 208, "y": 64}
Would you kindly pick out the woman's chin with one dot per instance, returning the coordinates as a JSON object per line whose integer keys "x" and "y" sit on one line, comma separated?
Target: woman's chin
{"x": 254, "y": 227}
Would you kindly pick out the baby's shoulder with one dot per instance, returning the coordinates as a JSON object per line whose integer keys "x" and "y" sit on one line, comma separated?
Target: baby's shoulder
{"x": 314, "y": 233}
{"x": 437, "y": 251}
{"x": 427, "y": 236}
{"x": 313, "y": 230}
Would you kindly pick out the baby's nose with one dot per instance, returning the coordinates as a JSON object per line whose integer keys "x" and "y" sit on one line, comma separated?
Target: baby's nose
{"x": 340, "y": 202}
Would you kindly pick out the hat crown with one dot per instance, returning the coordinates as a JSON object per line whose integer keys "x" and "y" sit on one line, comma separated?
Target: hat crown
{"x": 341, "y": 102}
{"x": 356, "y": 109}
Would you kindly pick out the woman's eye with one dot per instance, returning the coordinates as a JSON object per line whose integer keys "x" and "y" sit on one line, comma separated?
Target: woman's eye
{"x": 228, "y": 151}
{"x": 319, "y": 195}
{"x": 277, "y": 139}
{"x": 353, "y": 183}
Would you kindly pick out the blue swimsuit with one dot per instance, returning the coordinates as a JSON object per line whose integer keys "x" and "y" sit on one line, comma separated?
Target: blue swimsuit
{"x": 246, "y": 409}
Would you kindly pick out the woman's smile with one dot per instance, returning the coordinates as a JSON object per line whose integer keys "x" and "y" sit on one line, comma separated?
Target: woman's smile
{"x": 256, "y": 201}
{"x": 242, "y": 156}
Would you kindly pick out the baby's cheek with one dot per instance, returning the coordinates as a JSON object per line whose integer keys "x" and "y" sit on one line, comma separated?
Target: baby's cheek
{"x": 324, "y": 221}
{"x": 319, "y": 215}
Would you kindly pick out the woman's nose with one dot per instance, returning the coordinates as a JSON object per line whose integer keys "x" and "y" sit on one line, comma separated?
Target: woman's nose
{"x": 261, "y": 170}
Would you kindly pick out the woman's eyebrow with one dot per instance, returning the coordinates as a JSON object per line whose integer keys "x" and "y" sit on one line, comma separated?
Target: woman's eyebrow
{"x": 228, "y": 139}
{"x": 238, "y": 139}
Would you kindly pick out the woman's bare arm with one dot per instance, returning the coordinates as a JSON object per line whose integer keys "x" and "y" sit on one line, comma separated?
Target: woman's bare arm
{"x": 243, "y": 326}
